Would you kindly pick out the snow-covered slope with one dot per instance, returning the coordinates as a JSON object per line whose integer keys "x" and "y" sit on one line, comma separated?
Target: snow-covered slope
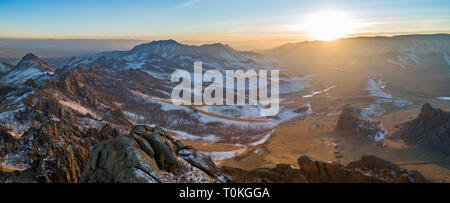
{"x": 407, "y": 51}
{"x": 133, "y": 87}
{"x": 30, "y": 67}
{"x": 165, "y": 56}
{"x": 5, "y": 67}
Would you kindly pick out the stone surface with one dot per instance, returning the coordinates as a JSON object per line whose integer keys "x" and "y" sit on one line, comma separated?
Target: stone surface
{"x": 147, "y": 155}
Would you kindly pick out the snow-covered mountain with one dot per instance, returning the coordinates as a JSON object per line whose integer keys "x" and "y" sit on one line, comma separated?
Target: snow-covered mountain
{"x": 407, "y": 51}
{"x": 125, "y": 88}
{"x": 416, "y": 64}
{"x": 54, "y": 118}
{"x": 30, "y": 67}
{"x": 161, "y": 58}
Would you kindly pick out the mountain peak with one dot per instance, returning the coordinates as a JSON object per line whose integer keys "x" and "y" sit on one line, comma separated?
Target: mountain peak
{"x": 30, "y": 56}
{"x": 157, "y": 44}
{"x": 31, "y": 60}
{"x": 163, "y": 42}
{"x": 430, "y": 128}
{"x": 30, "y": 67}
{"x": 429, "y": 113}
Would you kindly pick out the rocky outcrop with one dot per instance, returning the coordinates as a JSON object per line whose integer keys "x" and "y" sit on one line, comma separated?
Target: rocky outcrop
{"x": 148, "y": 155}
{"x": 52, "y": 153}
{"x": 369, "y": 169}
{"x": 430, "y": 129}
{"x": 282, "y": 173}
{"x": 352, "y": 123}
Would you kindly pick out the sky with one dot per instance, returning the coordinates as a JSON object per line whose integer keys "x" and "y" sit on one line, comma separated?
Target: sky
{"x": 246, "y": 24}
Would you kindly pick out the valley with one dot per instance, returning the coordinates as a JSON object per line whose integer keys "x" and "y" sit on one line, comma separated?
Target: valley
{"x": 357, "y": 102}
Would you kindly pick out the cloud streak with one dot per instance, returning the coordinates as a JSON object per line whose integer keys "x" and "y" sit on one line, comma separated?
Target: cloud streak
{"x": 191, "y": 2}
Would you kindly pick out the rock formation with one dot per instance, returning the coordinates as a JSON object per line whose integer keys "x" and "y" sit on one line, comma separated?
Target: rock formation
{"x": 62, "y": 154}
{"x": 430, "y": 129}
{"x": 52, "y": 153}
{"x": 148, "y": 155}
{"x": 369, "y": 169}
{"x": 352, "y": 123}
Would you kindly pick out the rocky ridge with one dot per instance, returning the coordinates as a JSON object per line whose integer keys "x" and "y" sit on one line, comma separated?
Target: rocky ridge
{"x": 149, "y": 155}
{"x": 370, "y": 169}
{"x": 430, "y": 129}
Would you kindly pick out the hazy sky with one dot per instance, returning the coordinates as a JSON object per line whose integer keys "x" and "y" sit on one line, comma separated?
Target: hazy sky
{"x": 245, "y": 23}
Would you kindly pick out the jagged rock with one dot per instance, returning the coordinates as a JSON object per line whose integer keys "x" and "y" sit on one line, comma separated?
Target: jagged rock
{"x": 430, "y": 129}
{"x": 147, "y": 155}
{"x": 316, "y": 171}
{"x": 282, "y": 173}
{"x": 373, "y": 163}
{"x": 200, "y": 161}
{"x": 54, "y": 153}
{"x": 369, "y": 169}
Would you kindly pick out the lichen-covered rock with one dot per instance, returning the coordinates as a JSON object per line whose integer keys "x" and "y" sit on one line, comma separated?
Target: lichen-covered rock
{"x": 147, "y": 155}
{"x": 121, "y": 160}
{"x": 163, "y": 147}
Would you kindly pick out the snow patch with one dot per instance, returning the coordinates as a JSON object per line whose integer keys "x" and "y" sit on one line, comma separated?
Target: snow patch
{"x": 373, "y": 110}
{"x": 220, "y": 156}
{"x": 78, "y": 108}
{"x": 444, "y": 98}
{"x": 375, "y": 88}
{"x": 319, "y": 92}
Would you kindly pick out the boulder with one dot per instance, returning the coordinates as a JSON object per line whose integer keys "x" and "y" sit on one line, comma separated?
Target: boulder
{"x": 164, "y": 151}
{"x": 147, "y": 155}
{"x": 121, "y": 160}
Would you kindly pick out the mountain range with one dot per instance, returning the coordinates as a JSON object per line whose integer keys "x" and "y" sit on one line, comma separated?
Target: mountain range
{"x": 55, "y": 119}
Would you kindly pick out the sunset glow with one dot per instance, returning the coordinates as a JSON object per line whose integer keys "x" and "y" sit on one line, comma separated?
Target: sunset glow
{"x": 329, "y": 26}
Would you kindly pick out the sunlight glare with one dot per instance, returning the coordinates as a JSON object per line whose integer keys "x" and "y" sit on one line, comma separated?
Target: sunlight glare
{"x": 329, "y": 26}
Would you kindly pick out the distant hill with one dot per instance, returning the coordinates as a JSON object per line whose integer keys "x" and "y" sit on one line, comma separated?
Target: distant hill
{"x": 60, "y": 48}
{"x": 405, "y": 51}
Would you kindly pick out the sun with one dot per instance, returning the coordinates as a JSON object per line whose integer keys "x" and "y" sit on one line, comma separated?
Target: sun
{"x": 329, "y": 26}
